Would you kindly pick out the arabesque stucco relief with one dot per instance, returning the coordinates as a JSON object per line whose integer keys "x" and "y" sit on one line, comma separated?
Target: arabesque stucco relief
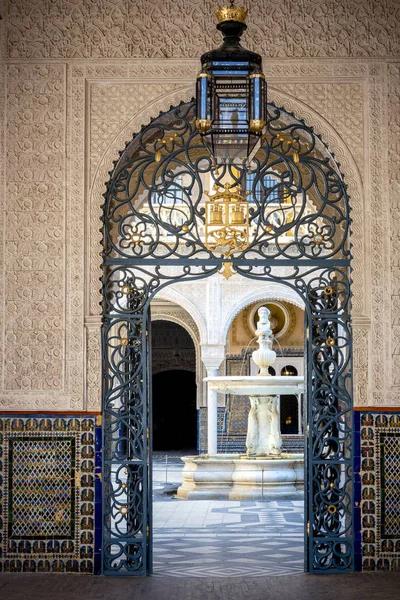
{"x": 80, "y": 79}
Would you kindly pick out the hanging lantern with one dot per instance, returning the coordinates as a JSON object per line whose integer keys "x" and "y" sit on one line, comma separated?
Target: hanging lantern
{"x": 231, "y": 94}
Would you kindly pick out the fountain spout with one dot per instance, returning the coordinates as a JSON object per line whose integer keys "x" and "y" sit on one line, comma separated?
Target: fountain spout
{"x": 264, "y": 357}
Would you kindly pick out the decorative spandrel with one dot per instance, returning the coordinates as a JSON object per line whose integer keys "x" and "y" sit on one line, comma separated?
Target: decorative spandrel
{"x": 156, "y": 204}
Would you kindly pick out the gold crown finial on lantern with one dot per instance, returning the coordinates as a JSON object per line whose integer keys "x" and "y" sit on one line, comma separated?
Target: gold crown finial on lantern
{"x": 232, "y": 13}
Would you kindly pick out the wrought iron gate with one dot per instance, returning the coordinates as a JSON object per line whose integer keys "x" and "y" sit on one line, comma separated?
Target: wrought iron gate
{"x": 153, "y": 236}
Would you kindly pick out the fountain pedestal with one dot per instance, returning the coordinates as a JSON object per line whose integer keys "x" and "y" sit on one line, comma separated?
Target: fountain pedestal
{"x": 263, "y": 434}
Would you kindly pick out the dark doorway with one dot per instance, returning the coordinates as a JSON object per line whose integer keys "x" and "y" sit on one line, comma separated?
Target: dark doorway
{"x": 174, "y": 411}
{"x": 174, "y": 388}
{"x": 289, "y": 415}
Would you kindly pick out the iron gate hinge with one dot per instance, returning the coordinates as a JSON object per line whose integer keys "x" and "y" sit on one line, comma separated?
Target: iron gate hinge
{"x": 148, "y": 432}
{"x": 148, "y": 531}
{"x": 308, "y": 528}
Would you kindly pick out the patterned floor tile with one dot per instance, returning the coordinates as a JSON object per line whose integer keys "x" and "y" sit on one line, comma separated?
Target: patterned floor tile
{"x": 228, "y": 539}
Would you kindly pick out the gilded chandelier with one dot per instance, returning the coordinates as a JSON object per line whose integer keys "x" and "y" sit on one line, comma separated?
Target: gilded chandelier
{"x": 227, "y": 221}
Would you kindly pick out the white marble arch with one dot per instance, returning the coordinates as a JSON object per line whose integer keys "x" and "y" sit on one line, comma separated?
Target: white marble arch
{"x": 171, "y": 294}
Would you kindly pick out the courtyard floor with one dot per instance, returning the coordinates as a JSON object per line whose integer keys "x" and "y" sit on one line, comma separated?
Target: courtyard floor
{"x": 228, "y": 539}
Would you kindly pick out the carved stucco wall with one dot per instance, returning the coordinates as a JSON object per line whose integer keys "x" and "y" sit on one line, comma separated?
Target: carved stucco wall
{"x": 185, "y": 28}
{"x": 78, "y": 78}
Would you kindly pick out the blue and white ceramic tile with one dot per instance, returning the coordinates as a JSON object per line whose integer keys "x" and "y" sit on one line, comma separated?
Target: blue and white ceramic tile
{"x": 48, "y": 500}
{"x": 379, "y": 490}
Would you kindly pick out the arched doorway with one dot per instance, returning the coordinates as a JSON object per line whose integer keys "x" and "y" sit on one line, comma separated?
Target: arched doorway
{"x": 154, "y": 235}
{"x": 174, "y": 413}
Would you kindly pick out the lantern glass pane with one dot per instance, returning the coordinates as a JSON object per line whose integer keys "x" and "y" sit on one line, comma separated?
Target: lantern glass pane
{"x": 231, "y": 103}
{"x": 229, "y": 146}
{"x": 257, "y": 98}
{"x": 203, "y": 100}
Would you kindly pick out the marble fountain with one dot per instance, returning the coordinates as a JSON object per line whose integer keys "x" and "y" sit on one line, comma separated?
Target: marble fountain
{"x": 264, "y": 472}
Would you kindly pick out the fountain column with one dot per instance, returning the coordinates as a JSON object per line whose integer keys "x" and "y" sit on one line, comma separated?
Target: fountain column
{"x": 212, "y": 356}
{"x": 263, "y": 430}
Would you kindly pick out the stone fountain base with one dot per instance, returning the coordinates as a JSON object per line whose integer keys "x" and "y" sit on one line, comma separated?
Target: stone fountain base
{"x": 236, "y": 477}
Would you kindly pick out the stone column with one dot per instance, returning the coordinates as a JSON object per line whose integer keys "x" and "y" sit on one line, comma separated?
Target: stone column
{"x": 212, "y": 356}
{"x": 212, "y": 415}
{"x": 299, "y": 419}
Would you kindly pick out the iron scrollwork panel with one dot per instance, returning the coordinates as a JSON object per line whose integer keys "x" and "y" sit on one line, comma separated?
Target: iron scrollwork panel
{"x": 155, "y": 200}
{"x": 125, "y": 530}
{"x": 155, "y": 233}
{"x": 329, "y": 458}
{"x": 330, "y": 423}
{"x": 128, "y": 289}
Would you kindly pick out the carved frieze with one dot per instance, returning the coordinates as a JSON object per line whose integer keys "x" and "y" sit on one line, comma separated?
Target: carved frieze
{"x": 93, "y": 369}
{"x": 63, "y": 133}
{"x": 186, "y": 28}
{"x": 379, "y": 238}
{"x": 361, "y": 349}
{"x": 394, "y": 199}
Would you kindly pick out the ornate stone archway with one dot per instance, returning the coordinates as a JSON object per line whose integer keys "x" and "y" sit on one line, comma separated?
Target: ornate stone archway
{"x": 151, "y": 241}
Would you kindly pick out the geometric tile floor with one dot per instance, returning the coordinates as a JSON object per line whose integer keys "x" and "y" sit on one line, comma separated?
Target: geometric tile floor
{"x": 212, "y": 538}
{"x": 228, "y": 539}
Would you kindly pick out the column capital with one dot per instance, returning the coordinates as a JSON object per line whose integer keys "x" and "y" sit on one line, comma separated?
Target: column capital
{"x": 212, "y": 355}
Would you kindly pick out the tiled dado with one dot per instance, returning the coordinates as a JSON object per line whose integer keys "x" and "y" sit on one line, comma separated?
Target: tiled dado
{"x": 50, "y": 493}
{"x": 377, "y": 490}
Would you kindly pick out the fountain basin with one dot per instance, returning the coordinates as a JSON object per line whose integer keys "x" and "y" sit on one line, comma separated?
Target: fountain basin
{"x": 256, "y": 385}
{"x": 237, "y": 477}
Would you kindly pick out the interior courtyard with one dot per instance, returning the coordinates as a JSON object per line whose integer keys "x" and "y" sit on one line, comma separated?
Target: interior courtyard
{"x": 199, "y": 374}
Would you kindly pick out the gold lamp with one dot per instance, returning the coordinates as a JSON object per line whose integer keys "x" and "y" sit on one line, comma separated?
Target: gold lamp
{"x": 227, "y": 220}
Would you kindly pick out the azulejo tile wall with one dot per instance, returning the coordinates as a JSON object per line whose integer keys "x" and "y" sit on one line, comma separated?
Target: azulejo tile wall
{"x": 377, "y": 490}
{"x": 50, "y": 493}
